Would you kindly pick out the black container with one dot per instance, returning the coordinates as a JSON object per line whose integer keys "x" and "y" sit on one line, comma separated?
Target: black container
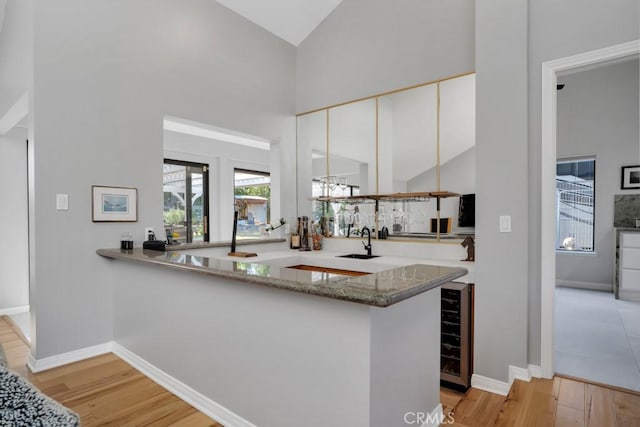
{"x": 155, "y": 245}
{"x": 126, "y": 244}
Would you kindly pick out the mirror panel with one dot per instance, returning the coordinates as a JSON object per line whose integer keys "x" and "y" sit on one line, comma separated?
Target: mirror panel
{"x": 352, "y": 144}
{"x": 406, "y": 157}
{"x": 352, "y": 164}
{"x": 407, "y": 140}
{"x": 457, "y": 141}
{"x": 312, "y": 159}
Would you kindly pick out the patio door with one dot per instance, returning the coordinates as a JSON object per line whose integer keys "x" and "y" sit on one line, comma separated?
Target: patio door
{"x": 186, "y": 201}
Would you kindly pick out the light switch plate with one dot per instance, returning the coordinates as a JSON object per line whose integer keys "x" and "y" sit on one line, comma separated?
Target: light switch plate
{"x": 505, "y": 223}
{"x": 62, "y": 202}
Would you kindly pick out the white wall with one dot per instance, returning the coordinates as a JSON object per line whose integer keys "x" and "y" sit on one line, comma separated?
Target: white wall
{"x": 106, "y": 73}
{"x": 272, "y": 370}
{"x": 366, "y": 47}
{"x": 598, "y": 115}
{"x": 501, "y": 180}
{"x": 222, "y": 158}
{"x": 557, "y": 30}
{"x": 14, "y": 263}
{"x": 16, "y": 52}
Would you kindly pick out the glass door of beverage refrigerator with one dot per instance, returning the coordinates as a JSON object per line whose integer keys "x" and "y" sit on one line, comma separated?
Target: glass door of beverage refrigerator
{"x": 455, "y": 334}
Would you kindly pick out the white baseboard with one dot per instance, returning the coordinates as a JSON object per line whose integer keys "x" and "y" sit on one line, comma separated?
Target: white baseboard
{"x": 39, "y": 365}
{"x": 210, "y": 407}
{"x": 592, "y": 286}
{"x": 490, "y": 385}
{"x": 629, "y": 295}
{"x": 180, "y": 389}
{"x": 14, "y": 310}
{"x": 501, "y": 387}
{"x": 535, "y": 371}
{"x": 516, "y": 373}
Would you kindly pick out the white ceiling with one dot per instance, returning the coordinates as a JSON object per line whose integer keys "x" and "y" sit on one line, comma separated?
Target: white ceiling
{"x": 291, "y": 20}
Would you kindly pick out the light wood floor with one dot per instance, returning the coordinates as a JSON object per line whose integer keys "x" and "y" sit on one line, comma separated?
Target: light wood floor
{"x": 103, "y": 390}
{"x": 560, "y": 402}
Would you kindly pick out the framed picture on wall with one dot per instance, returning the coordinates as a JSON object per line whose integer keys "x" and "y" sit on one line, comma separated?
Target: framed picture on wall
{"x": 630, "y": 177}
{"x": 114, "y": 204}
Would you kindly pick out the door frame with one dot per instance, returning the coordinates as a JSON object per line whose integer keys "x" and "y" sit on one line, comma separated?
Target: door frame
{"x": 205, "y": 194}
{"x": 550, "y": 72}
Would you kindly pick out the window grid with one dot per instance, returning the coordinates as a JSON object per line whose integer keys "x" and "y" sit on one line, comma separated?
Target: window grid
{"x": 575, "y": 205}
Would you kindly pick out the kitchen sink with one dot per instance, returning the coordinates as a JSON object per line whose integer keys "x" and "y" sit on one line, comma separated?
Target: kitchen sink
{"x": 358, "y": 256}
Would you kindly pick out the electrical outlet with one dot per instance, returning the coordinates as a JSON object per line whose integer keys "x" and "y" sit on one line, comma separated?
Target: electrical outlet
{"x": 147, "y": 230}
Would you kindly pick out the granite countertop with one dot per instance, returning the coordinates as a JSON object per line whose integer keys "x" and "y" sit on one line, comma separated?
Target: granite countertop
{"x": 383, "y": 286}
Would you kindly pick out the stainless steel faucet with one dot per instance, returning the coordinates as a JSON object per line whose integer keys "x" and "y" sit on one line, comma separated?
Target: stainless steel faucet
{"x": 367, "y": 246}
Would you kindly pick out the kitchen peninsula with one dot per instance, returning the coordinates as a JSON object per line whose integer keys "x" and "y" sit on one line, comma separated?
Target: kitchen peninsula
{"x": 272, "y": 345}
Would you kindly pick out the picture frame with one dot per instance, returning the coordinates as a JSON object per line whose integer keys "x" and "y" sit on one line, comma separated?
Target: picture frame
{"x": 630, "y": 178}
{"x": 114, "y": 204}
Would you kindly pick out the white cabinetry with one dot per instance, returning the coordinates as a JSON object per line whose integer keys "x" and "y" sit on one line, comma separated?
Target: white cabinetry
{"x": 629, "y": 274}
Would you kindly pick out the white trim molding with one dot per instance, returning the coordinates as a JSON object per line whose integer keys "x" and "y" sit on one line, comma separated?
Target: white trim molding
{"x": 516, "y": 373}
{"x": 535, "y": 371}
{"x": 630, "y": 295}
{"x": 591, "y": 286}
{"x": 180, "y": 389}
{"x": 14, "y": 310}
{"x": 502, "y": 388}
{"x": 39, "y": 365}
{"x": 490, "y": 385}
{"x": 550, "y": 71}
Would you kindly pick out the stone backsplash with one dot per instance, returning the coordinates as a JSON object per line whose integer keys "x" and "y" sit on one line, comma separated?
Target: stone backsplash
{"x": 626, "y": 210}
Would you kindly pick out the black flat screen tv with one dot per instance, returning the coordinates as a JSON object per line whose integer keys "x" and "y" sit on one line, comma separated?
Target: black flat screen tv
{"x": 467, "y": 211}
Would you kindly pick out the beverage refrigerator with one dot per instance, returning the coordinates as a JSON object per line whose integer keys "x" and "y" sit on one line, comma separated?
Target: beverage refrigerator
{"x": 456, "y": 335}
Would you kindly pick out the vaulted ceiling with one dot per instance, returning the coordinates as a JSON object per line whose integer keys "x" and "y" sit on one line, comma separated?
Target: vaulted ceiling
{"x": 291, "y": 20}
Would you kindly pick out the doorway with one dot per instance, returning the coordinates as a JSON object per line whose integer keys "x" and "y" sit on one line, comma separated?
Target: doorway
{"x": 550, "y": 72}
{"x": 14, "y": 178}
{"x": 186, "y": 201}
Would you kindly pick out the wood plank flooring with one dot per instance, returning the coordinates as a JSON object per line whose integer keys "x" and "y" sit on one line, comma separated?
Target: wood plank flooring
{"x": 104, "y": 390}
{"x": 560, "y": 402}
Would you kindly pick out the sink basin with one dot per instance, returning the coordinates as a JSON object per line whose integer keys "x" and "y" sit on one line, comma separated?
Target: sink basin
{"x": 359, "y": 256}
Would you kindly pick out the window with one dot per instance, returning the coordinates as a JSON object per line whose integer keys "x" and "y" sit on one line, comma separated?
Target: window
{"x": 186, "y": 201}
{"x": 252, "y": 200}
{"x": 575, "y": 196}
